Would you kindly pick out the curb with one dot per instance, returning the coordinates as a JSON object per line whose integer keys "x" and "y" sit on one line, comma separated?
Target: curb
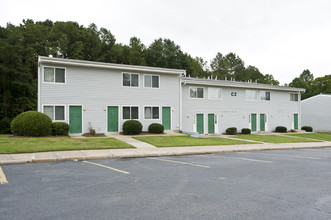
{"x": 150, "y": 154}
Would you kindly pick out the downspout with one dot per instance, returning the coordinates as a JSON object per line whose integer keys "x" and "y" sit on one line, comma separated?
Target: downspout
{"x": 180, "y": 103}
{"x": 299, "y": 124}
{"x": 39, "y": 78}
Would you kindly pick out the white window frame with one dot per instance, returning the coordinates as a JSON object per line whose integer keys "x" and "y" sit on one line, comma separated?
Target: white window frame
{"x": 209, "y": 88}
{"x": 54, "y": 105}
{"x": 130, "y": 106}
{"x": 196, "y": 87}
{"x": 159, "y": 77}
{"x": 130, "y": 80}
{"x": 295, "y": 94}
{"x": 265, "y": 92}
{"x": 251, "y": 100}
{"x": 60, "y": 83}
{"x": 152, "y": 106}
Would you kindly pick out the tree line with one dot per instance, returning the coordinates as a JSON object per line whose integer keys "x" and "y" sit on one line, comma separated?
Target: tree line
{"x": 21, "y": 45}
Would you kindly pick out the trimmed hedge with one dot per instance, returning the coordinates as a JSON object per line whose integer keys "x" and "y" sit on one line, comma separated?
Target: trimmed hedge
{"x": 132, "y": 127}
{"x": 246, "y": 131}
{"x": 307, "y": 128}
{"x": 60, "y": 128}
{"x": 155, "y": 128}
{"x": 231, "y": 131}
{"x": 281, "y": 129}
{"x": 31, "y": 123}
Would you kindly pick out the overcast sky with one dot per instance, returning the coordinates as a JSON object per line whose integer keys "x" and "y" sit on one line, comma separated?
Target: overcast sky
{"x": 280, "y": 37}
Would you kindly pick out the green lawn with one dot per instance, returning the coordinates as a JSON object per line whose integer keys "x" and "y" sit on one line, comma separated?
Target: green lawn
{"x": 27, "y": 145}
{"x": 273, "y": 138}
{"x": 177, "y": 141}
{"x": 319, "y": 136}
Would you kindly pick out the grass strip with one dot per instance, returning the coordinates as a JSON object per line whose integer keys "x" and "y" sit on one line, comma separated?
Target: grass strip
{"x": 178, "y": 141}
{"x": 11, "y": 145}
{"x": 273, "y": 138}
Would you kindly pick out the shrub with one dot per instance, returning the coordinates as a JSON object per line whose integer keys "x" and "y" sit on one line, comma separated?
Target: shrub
{"x": 5, "y": 126}
{"x": 31, "y": 123}
{"x": 307, "y": 128}
{"x": 155, "y": 128}
{"x": 246, "y": 131}
{"x": 132, "y": 127}
{"x": 231, "y": 131}
{"x": 281, "y": 129}
{"x": 60, "y": 128}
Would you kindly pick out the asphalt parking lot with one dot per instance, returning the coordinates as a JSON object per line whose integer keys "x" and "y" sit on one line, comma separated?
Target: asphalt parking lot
{"x": 283, "y": 184}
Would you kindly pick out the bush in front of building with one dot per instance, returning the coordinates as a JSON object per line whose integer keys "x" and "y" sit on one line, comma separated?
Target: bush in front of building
{"x": 31, "y": 123}
{"x": 231, "y": 131}
{"x": 155, "y": 128}
{"x": 60, "y": 128}
{"x": 281, "y": 129}
{"x": 307, "y": 128}
{"x": 246, "y": 131}
{"x": 132, "y": 127}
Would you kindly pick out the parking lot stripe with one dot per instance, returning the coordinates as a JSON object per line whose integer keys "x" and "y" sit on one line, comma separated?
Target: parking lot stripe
{"x": 180, "y": 162}
{"x": 243, "y": 158}
{"x": 3, "y": 179}
{"x": 111, "y": 168}
{"x": 281, "y": 155}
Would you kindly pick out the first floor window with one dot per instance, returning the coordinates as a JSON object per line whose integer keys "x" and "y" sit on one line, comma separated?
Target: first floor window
{"x": 196, "y": 92}
{"x": 54, "y": 112}
{"x": 251, "y": 95}
{"x": 294, "y": 97}
{"x": 214, "y": 93}
{"x": 130, "y": 112}
{"x": 52, "y": 74}
{"x": 151, "y": 81}
{"x": 151, "y": 112}
{"x": 130, "y": 79}
{"x": 265, "y": 95}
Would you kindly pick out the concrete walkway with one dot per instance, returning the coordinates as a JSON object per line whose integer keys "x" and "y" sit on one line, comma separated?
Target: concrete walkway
{"x": 147, "y": 150}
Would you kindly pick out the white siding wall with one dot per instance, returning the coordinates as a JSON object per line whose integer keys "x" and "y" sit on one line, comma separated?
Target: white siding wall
{"x": 97, "y": 88}
{"x": 234, "y": 111}
{"x": 316, "y": 112}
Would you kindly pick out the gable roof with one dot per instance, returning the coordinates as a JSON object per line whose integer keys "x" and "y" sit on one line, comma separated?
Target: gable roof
{"x": 228, "y": 83}
{"x": 84, "y": 63}
{"x": 328, "y": 96}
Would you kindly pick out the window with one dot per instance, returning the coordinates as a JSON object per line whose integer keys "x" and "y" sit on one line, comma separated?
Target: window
{"x": 54, "y": 75}
{"x": 54, "y": 112}
{"x": 214, "y": 93}
{"x": 151, "y": 112}
{"x": 294, "y": 97}
{"x": 130, "y": 113}
{"x": 151, "y": 81}
{"x": 251, "y": 95}
{"x": 130, "y": 79}
{"x": 196, "y": 92}
{"x": 264, "y": 95}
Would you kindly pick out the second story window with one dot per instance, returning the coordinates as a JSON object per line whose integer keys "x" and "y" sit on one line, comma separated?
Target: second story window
{"x": 214, "y": 93}
{"x": 196, "y": 93}
{"x": 264, "y": 95}
{"x": 130, "y": 79}
{"x": 251, "y": 95}
{"x": 54, "y": 75}
{"x": 151, "y": 81}
{"x": 294, "y": 97}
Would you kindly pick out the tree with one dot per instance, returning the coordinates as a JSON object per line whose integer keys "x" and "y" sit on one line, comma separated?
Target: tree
{"x": 304, "y": 81}
{"x": 321, "y": 85}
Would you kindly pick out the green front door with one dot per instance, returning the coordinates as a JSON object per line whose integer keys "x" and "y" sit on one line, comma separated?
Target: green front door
{"x": 166, "y": 118}
{"x": 296, "y": 122}
{"x": 211, "y": 123}
{"x": 253, "y": 122}
{"x": 112, "y": 119}
{"x": 262, "y": 122}
{"x": 75, "y": 119}
{"x": 200, "y": 123}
